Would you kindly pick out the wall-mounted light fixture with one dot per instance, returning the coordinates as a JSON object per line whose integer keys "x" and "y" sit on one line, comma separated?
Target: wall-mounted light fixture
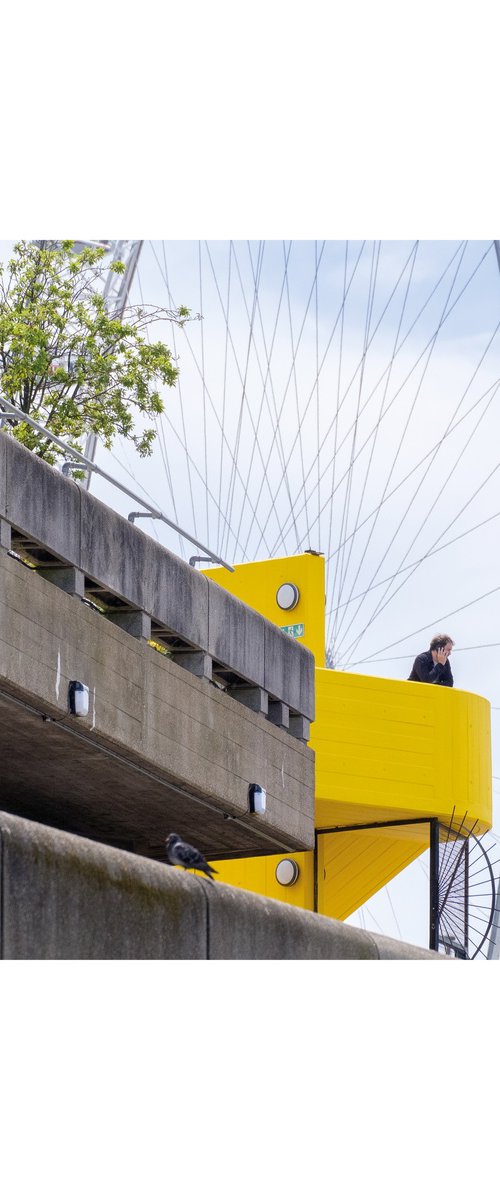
{"x": 78, "y": 696}
{"x": 287, "y": 872}
{"x": 256, "y": 798}
{"x": 287, "y": 596}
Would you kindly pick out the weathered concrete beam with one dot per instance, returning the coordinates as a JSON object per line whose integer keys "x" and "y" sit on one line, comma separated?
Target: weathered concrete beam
{"x": 137, "y": 623}
{"x": 195, "y": 661}
{"x": 5, "y": 534}
{"x": 254, "y": 698}
{"x": 81, "y": 532}
{"x": 65, "y": 897}
{"x": 69, "y": 579}
{"x": 299, "y": 727}
{"x": 279, "y": 713}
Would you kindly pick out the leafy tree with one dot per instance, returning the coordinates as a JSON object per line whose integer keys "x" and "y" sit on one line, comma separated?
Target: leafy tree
{"x": 69, "y": 364}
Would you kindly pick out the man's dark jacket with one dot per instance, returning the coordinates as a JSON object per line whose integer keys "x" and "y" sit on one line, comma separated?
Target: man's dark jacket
{"x": 424, "y": 670}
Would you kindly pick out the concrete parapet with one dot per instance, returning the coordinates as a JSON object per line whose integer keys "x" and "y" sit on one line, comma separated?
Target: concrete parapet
{"x": 236, "y": 635}
{"x": 64, "y": 897}
{"x": 289, "y": 671}
{"x": 50, "y": 511}
{"x": 41, "y": 502}
{"x": 3, "y": 471}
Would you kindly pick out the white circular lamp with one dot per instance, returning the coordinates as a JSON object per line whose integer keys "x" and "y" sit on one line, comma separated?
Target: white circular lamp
{"x": 287, "y": 596}
{"x": 287, "y": 872}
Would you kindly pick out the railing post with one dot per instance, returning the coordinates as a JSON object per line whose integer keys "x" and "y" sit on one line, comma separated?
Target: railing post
{"x": 434, "y": 885}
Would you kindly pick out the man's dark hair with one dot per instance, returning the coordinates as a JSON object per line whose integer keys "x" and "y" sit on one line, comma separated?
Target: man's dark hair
{"x": 440, "y": 640}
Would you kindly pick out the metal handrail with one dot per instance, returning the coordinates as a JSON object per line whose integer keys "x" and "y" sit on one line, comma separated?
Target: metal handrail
{"x": 80, "y": 460}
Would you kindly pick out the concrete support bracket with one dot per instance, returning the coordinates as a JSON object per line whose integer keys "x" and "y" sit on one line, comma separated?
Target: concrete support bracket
{"x": 253, "y": 697}
{"x": 195, "y": 661}
{"x": 69, "y": 579}
{"x": 5, "y": 535}
{"x": 299, "y": 727}
{"x": 135, "y": 622}
{"x": 279, "y": 714}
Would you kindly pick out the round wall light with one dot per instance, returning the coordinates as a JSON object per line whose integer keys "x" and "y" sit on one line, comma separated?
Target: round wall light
{"x": 287, "y": 596}
{"x": 287, "y": 872}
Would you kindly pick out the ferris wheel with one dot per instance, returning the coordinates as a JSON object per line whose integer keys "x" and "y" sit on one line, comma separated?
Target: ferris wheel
{"x": 344, "y": 398}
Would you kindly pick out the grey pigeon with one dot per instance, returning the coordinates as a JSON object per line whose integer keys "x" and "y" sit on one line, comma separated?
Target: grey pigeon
{"x": 181, "y": 854}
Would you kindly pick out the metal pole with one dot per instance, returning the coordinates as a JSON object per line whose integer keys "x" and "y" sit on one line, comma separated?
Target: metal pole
{"x": 80, "y": 460}
{"x": 434, "y": 885}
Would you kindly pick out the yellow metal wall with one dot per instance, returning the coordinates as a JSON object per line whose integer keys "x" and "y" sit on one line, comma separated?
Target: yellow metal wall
{"x": 386, "y": 750}
{"x": 257, "y": 583}
{"x": 258, "y": 875}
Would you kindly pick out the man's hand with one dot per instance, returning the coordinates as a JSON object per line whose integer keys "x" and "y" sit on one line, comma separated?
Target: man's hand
{"x": 442, "y": 655}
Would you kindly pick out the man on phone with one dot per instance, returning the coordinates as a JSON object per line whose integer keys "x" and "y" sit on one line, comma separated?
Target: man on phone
{"x": 433, "y": 665}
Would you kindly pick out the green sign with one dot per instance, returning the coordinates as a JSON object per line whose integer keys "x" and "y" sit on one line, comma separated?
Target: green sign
{"x": 293, "y": 630}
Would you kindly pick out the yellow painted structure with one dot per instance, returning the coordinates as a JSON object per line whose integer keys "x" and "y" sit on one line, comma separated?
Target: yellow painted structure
{"x": 386, "y": 750}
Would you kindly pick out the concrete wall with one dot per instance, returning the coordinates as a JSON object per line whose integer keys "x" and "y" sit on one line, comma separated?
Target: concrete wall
{"x": 147, "y": 710}
{"x": 63, "y": 897}
{"x": 77, "y": 529}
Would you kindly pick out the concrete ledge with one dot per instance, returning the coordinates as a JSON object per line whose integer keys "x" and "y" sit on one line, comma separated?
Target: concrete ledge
{"x": 236, "y": 634}
{"x": 68, "y": 526}
{"x": 41, "y": 502}
{"x": 64, "y": 897}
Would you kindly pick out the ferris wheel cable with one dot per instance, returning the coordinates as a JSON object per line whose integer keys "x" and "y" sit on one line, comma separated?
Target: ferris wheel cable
{"x": 429, "y": 554}
{"x": 290, "y": 374}
{"x": 196, "y": 469}
{"x": 317, "y": 380}
{"x": 380, "y": 607}
{"x": 424, "y": 459}
{"x": 347, "y": 494}
{"x": 357, "y": 523}
{"x": 347, "y": 497}
{"x": 393, "y": 912}
{"x": 429, "y": 625}
{"x": 164, "y": 275}
{"x": 294, "y": 368}
{"x": 389, "y": 406}
{"x": 268, "y": 377}
{"x": 204, "y": 407}
{"x": 334, "y": 420}
{"x": 372, "y": 918}
{"x": 456, "y": 650}
{"x": 277, "y": 423}
{"x": 417, "y": 318}
{"x": 384, "y": 396}
{"x": 432, "y": 345}
{"x": 374, "y": 442}
{"x": 339, "y": 374}
{"x": 224, "y": 387}
{"x": 161, "y": 441}
{"x": 255, "y": 443}
{"x": 457, "y": 516}
{"x": 232, "y": 481}
{"x": 371, "y": 434}
{"x": 226, "y": 442}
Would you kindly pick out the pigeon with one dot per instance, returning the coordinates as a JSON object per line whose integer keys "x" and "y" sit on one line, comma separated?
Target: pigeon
{"x": 181, "y": 854}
